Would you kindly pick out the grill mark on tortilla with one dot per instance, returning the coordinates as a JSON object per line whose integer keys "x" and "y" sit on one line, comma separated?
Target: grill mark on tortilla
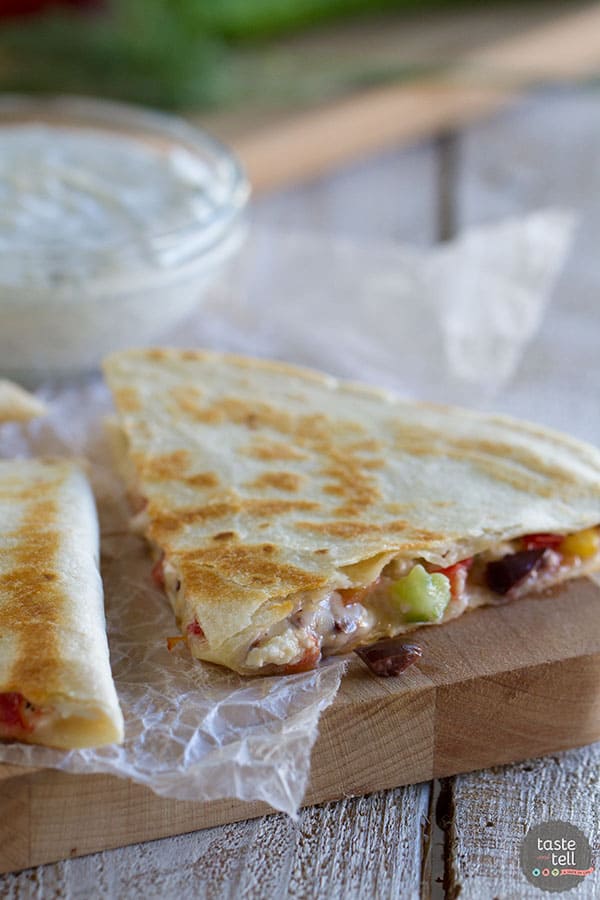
{"x": 281, "y": 481}
{"x": 128, "y": 399}
{"x": 166, "y": 465}
{"x": 32, "y": 601}
{"x": 374, "y": 463}
{"x": 156, "y": 354}
{"x": 172, "y": 466}
{"x": 399, "y": 508}
{"x": 164, "y": 524}
{"x": 225, "y": 536}
{"x": 560, "y": 441}
{"x": 273, "y": 451}
{"x": 217, "y": 573}
{"x": 202, "y": 480}
{"x": 368, "y": 445}
{"x": 205, "y": 415}
{"x": 523, "y": 456}
{"x": 519, "y": 467}
{"x": 255, "y": 414}
{"x": 350, "y": 528}
{"x": 350, "y": 482}
{"x": 262, "y": 507}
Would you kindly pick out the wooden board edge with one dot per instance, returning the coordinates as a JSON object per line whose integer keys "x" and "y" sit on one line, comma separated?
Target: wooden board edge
{"x": 28, "y": 837}
{"x": 556, "y": 704}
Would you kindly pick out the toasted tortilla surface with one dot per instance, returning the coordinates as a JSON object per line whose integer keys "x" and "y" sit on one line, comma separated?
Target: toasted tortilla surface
{"x": 263, "y": 480}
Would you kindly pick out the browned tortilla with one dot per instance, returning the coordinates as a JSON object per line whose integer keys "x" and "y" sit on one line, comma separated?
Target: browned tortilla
{"x": 264, "y": 480}
{"x": 53, "y": 648}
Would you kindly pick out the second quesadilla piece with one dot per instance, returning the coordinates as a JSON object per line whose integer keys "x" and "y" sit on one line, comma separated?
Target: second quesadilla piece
{"x": 17, "y": 404}
{"x": 292, "y": 515}
{"x": 56, "y": 686}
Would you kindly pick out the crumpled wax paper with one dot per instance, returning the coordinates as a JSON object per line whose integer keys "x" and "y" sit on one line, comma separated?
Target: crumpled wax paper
{"x": 427, "y": 323}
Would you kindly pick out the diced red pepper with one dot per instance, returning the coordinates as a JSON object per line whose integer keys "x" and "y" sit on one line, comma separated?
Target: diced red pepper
{"x": 12, "y": 713}
{"x": 543, "y": 541}
{"x": 158, "y": 573}
{"x": 456, "y": 575}
{"x": 195, "y": 628}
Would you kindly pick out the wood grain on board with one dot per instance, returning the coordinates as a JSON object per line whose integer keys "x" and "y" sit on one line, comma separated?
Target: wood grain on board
{"x": 302, "y": 146}
{"x": 495, "y": 686}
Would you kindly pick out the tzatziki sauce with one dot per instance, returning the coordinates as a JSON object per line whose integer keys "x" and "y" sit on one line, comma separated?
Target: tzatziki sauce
{"x": 108, "y": 237}
{"x": 70, "y": 196}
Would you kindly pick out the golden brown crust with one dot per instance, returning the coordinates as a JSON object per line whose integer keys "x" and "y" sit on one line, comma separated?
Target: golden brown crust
{"x": 52, "y": 630}
{"x": 330, "y": 474}
{"x": 273, "y": 450}
{"x": 33, "y": 602}
{"x": 281, "y": 481}
{"x": 128, "y": 399}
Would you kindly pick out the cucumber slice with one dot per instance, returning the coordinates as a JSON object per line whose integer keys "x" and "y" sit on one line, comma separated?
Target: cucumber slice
{"x": 421, "y": 596}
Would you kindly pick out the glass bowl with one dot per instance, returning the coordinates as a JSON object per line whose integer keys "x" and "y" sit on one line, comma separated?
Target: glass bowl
{"x": 68, "y": 297}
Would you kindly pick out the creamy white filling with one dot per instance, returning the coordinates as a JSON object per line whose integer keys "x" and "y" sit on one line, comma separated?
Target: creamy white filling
{"x": 283, "y": 648}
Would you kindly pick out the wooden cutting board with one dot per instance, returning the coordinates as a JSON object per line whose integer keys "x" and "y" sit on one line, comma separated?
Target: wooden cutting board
{"x": 496, "y": 686}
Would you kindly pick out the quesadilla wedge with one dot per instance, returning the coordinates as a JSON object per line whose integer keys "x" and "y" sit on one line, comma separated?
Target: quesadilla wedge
{"x": 56, "y": 686}
{"x": 17, "y": 404}
{"x": 293, "y": 516}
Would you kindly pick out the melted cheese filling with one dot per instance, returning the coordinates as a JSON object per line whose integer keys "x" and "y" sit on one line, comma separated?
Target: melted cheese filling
{"x": 338, "y": 627}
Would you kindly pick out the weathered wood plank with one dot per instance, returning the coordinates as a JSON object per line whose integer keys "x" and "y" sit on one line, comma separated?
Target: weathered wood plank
{"x": 493, "y": 810}
{"x": 362, "y": 847}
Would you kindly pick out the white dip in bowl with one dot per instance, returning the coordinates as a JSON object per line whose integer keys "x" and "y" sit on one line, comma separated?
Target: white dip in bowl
{"x": 113, "y": 221}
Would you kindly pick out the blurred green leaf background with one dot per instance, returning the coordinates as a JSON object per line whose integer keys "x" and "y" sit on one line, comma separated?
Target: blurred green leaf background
{"x": 200, "y": 54}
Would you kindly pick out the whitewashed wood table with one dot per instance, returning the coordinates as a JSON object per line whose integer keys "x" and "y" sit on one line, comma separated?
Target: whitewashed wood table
{"x": 430, "y": 840}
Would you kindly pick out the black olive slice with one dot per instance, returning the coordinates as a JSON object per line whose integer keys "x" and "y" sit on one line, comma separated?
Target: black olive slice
{"x": 503, "y": 574}
{"x": 389, "y": 658}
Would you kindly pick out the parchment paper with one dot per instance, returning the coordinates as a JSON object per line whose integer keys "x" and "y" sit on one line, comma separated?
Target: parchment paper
{"x": 441, "y": 324}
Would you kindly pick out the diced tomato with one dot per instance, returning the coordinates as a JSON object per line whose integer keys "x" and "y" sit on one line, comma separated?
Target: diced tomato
{"x": 158, "y": 573}
{"x": 543, "y": 541}
{"x": 356, "y": 595}
{"x": 13, "y": 717}
{"x": 456, "y": 575}
{"x": 308, "y": 661}
{"x": 195, "y": 628}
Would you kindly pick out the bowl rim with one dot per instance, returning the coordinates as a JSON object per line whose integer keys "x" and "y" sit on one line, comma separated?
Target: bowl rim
{"x": 132, "y": 120}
